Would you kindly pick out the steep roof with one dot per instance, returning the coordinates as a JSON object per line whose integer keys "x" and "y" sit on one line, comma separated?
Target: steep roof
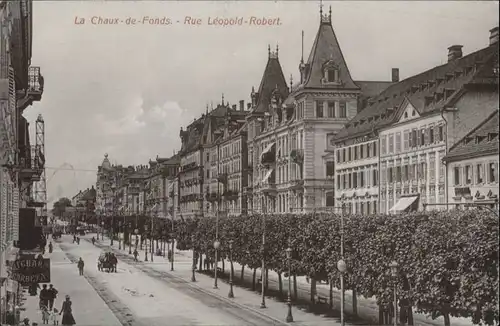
{"x": 372, "y": 88}
{"x": 428, "y": 91}
{"x": 273, "y": 78}
{"x": 325, "y": 49}
{"x": 481, "y": 141}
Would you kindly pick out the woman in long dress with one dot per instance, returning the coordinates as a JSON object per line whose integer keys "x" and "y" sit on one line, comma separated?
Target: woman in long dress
{"x": 66, "y": 311}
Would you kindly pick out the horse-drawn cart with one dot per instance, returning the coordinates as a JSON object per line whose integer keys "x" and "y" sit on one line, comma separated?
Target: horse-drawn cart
{"x": 105, "y": 263}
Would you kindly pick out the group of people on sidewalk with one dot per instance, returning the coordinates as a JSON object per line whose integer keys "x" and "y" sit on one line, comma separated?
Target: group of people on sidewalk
{"x": 49, "y": 313}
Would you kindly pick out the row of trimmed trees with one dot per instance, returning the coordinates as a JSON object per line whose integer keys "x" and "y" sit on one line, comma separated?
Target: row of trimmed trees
{"x": 448, "y": 261}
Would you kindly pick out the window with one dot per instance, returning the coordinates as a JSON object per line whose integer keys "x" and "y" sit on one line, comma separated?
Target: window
{"x": 383, "y": 145}
{"x": 330, "y": 169}
{"x": 345, "y": 180}
{"x": 369, "y": 150}
{"x": 342, "y": 109}
{"x": 441, "y": 133}
{"x": 349, "y": 154}
{"x": 329, "y": 199}
{"x": 413, "y": 138}
{"x": 331, "y": 109}
{"x": 332, "y": 75}
{"x": 456, "y": 175}
{"x": 398, "y": 142}
{"x": 344, "y": 156}
{"x": 356, "y": 151}
{"x": 374, "y": 177}
{"x": 383, "y": 175}
{"x": 362, "y": 179}
{"x": 208, "y": 157}
{"x": 375, "y": 149}
{"x": 492, "y": 172}
{"x": 338, "y": 181}
{"x": 431, "y": 135}
{"x": 319, "y": 109}
{"x": 468, "y": 174}
{"x": 432, "y": 167}
{"x": 480, "y": 173}
{"x": 422, "y": 137}
{"x": 405, "y": 173}
{"x": 391, "y": 143}
{"x": 362, "y": 151}
{"x": 338, "y": 156}
{"x": 355, "y": 180}
{"x": 398, "y": 174}
{"x": 389, "y": 175}
{"x": 426, "y": 136}
{"x": 349, "y": 184}
{"x": 406, "y": 140}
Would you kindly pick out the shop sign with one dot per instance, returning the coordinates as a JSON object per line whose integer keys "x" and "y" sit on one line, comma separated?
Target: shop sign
{"x": 28, "y": 271}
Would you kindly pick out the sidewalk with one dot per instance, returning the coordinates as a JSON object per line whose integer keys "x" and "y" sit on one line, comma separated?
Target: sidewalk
{"x": 88, "y": 308}
{"x": 367, "y": 307}
{"x": 242, "y": 297}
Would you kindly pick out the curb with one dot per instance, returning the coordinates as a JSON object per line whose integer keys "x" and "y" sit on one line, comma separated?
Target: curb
{"x": 193, "y": 284}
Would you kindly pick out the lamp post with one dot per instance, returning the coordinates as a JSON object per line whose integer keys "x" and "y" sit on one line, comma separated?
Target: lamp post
{"x": 136, "y": 231}
{"x": 130, "y": 238}
{"x": 289, "y": 317}
{"x": 193, "y": 268}
{"x": 394, "y": 273}
{"x": 341, "y": 266}
{"x": 263, "y": 270}
{"x": 231, "y": 294}
{"x": 216, "y": 247}
{"x": 164, "y": 234}
{"x": 146, "y": 243}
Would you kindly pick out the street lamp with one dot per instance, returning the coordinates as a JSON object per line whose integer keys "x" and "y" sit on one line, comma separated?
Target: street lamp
{"x": 129, "y": 238}
{"x": 342, "y": 267}
{"x": 193, "y": 268}
{"x": 146, "y": 242}
{"x": 289, "y": 317}
{"x": 216, "y": 247}
{"x": 231, "y": 294}
{"x": 136, "y": 231}
{"x": 394, "y": 273}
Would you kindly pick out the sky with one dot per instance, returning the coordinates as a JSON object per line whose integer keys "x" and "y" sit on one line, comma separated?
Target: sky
{"x": 126, "y": 90}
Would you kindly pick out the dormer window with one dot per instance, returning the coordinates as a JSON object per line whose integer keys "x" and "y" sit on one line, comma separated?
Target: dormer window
{"x": 406, "y": 115}
{"x": 331, "y": 72}
{"x": 492, "y": 136}
{"x": 413, "y": 113}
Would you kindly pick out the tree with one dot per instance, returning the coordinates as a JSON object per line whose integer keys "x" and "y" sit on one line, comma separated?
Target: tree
{"x": 59, "y": 207}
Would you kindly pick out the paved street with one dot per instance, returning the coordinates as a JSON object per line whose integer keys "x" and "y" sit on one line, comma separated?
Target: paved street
{"x": 141, "y": 296}
{"x": 88, "y": 308}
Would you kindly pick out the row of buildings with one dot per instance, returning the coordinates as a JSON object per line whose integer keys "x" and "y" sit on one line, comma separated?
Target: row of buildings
{"x": 428, "y": 141}
{"x": 21, "y": 162}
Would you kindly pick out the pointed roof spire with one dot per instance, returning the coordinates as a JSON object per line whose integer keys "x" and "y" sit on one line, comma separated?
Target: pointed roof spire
{"x": 330, "y": 13}
{"x": 302, "y": 57}
{"x": 222, "y": 99}
{"x": 320, "y": 9}
{"x": 269, "y": 50}
{"x": 277, "y": 49}
{"x": 291, "y": 82}
{"x": 207, "y": 108}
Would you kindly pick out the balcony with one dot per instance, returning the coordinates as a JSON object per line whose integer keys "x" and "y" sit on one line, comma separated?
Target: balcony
{"x": 31, "y": 164}
{"x": 296, "y": 184}
{"x": 268, "y": 184}
{"x": 34, "y": 91}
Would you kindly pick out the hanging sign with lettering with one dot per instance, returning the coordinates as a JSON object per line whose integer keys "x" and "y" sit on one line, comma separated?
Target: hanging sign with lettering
{"x": 27, "y": 271}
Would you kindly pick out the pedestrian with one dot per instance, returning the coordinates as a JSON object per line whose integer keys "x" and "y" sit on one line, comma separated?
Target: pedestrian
{"x": 78, "y": 240}
{"x": 81, "y": 264}
{"x": 114, "y": 262}
{"x": 135, "y": 254}
{"x": 67, "y": 313}
{"x": 44, "y": 297}
{"x": 52, "y": 296}
{"x": 50, "y": 247}
{"x": 93, "y": 241}
{"x": 45, "y": 315}
{"x": 53, "y": 317}
{"x": 33, "y": 289}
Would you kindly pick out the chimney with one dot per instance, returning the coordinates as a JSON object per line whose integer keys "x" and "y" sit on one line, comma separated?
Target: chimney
{"x": 234, "y": 107}
{"x": 242, "y": 105}
{"x": 249, "y": 106}
{"x": 454, "y": 52}
{"x": 395, "y": 75}
{"x": 494, "y": 35}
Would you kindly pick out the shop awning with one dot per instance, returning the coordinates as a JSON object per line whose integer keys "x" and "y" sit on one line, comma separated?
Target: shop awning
{"x": 267, "y": 175}
{"x": 403, "y": 203}
{"x": 267, "y": 149}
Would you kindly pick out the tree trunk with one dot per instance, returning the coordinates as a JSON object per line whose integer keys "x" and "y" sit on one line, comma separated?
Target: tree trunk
{"x": 200, "y": 268}
{"x": 354, "y": 303}
{"x": 380, "y": 315}
{"x": 242, "y": 273}
{"x": 267, "y": 278}
{"x": 446, "y": 317}
{"x": 313, "y": 290}
{"x": 253, "y": 278}
{"x": 330, "y": 299}
{"x": 223, "y": 266}
{"x": 280, "y": 281}
{"x": 295, "y": 287}
{"x": 410, "y": 315}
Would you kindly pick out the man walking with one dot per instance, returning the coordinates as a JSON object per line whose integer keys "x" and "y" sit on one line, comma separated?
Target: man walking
{"x": 80, "y": 266}
{"x": 44, "y": 297}
{"x": 52, "y": 296}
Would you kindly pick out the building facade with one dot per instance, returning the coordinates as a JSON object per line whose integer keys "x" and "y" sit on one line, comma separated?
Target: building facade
{"x": 472, "y": 166}
{"x": 414, "y": 122}
{"x": 21, "y": 163}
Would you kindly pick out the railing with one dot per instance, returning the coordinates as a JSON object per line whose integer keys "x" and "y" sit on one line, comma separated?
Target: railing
{"x": 35, "y": 80}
